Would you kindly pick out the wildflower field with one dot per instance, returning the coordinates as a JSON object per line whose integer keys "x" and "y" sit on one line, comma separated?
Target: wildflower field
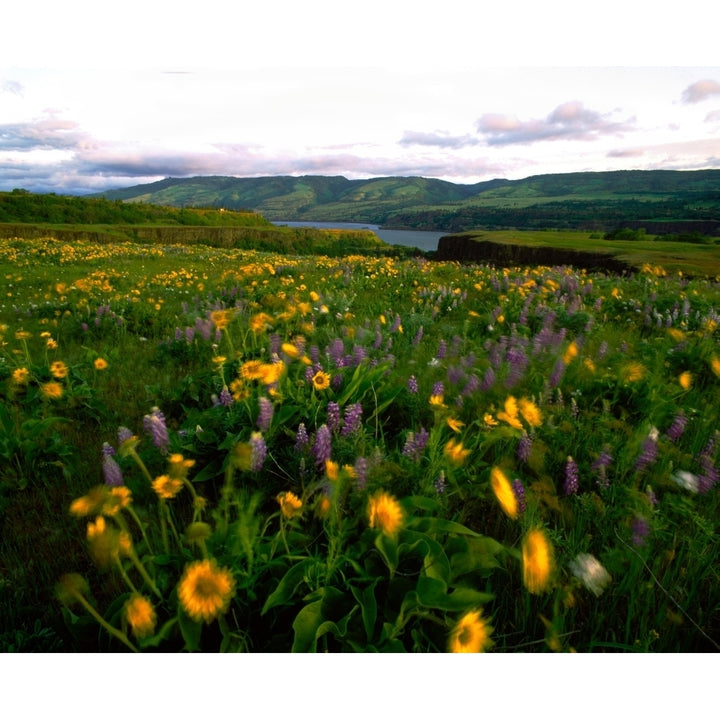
{"x": 228, "y": 450}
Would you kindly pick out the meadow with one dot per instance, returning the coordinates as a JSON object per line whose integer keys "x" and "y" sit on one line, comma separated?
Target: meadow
{"x": 219, "y": 449}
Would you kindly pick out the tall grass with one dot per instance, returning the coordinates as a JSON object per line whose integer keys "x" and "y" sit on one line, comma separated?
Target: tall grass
{"x": 208, "y": 448}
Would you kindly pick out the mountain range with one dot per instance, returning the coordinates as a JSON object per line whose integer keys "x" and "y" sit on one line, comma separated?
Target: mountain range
{"x": 672, "y": 200}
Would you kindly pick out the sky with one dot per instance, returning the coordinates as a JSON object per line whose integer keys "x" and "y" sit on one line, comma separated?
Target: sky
{"x": 91, "y": 102}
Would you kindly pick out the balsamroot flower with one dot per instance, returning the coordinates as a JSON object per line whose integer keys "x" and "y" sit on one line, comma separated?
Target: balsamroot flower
{"x": 205, "y": 590}
{"x": 166, "y": 487}
{"x": 471, "y": 634}
{"x": 455, "y": 452}
{"x": 538, "y": 561}
{"x": 140, "y": 615}
{"x": 530, "y": 412}
{"x": 51, "y": 390}
{"x": 503, "y": 490}
{"x": 510, "y": 413}
{"x": 385, "y": 513}
{"x": 290, "y": 504}
{"x": 58, "y": 369}
{"x": 321, "y": 380}
{"x": 21, "y": 376}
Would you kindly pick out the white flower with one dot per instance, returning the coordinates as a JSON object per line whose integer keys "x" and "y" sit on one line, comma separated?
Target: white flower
{"x": 686, "y": 480}
{"x": 590, "y": 572}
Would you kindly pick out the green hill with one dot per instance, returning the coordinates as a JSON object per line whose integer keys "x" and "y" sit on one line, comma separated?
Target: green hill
{"x": 660, "y": 200}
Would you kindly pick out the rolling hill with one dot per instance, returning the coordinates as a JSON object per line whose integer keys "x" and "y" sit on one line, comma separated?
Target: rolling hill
{"x": 660, "y": 200}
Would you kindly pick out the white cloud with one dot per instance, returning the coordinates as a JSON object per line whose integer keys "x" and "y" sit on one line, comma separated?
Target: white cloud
{"x": 700, "y": 90}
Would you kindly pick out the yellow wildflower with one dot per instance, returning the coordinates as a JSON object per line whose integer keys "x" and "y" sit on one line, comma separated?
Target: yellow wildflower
{"x": 570, "y": 353}
{"x": 504, "y": 492}
{"x": 290, "y": 504}
{"x": 251, "y": 370}
{"x": 455, "y": 424}
{"x": 488, "y": 419}
{"x": 91, "y": 503}
{"x": 685, "y": 380}
{"x": 538, "y": 561}
{"x": 455, "y": 452}
{"x": 332, "y": 470}
{"x": 471, "y": 634}
{"x": 21, "y": 376}
{"x": 531, "y": 412}
{"x": 205, "y": 590}
{"x": 290, "y": 350}
{"x": 510, "y": 413}
{"x": 321, "y": 380}
{"x": 100, "y": 363}
{"x": 385, "y": 513}
{"x": 167, "y": 487}
{"x": 51, "y": 390}
{"x": 221, "y": 318}
{"x": 715, "y": 365}
{"x": 260, "y": 322}
{"x": 633, "y": 371}
{"x": 58, "y": 369}
{"x": 140, "y": 615}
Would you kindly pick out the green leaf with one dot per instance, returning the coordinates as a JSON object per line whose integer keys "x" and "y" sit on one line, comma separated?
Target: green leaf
{"x": 368, "y": 606}
{"x": 432, "y": 593}
{"x": 288, "y": 585}
{"x": 160, "y": 636}
{"x": 388, "y": 548}
{"x": 305, "y": 625}
{"x": 191, "y": 631}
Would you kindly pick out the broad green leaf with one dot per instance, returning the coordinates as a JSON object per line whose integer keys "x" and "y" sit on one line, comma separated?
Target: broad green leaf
{"x": 288, "y": 585}
{"x": 368, "y": 606}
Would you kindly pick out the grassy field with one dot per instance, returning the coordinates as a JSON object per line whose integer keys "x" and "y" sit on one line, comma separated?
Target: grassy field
{"x": 698, "y": 260}
{"x": 209, "y": 448}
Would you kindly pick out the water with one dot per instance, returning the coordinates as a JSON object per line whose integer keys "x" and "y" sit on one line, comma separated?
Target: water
{"x": 421, "y": 239}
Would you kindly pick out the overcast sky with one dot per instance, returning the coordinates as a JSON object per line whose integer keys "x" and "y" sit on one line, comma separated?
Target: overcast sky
{"x": 92, "y": 102}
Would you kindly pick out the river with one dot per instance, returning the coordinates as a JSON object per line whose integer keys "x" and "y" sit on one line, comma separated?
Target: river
{"x": 422, "y": 239}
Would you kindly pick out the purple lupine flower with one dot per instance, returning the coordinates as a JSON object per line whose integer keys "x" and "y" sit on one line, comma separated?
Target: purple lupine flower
{"x": 518, "y": 361}
{"x": 709, "y": 475}
{"x": 412, "y": 385}
{"x": 472, "y": 384}
{"x": 440, "y": 483}
{"x": 524, "y": 448}
{"x": 600, "y": 466}
{"x": 397, "y": 322}
{"x": 178, "y": 334}
{"x": 442, "y": 350}
{"x": 189, "y": 334}
{"x": 314, "y": 353}
{"x": 649, "y": 451}
{"x": 415, "y": 444}
{"x": 335, "y": 351}
{"x": 226, "y": 398}
{"x": 438, "y": 389}
{"x": 124, "y": 434}
{"x": 602, "y": 350}
{"x": 488, "y": 380}
{"x": 154, "y": 424}
{"x": 322, "y": 447}
{"x": 275, "y": 342}
{"x": 676, "y": 430}
{"x": 418, "y": 336}
{"x": 258, "y": 451}
{"x": 359, "y": 354}
{"x": 361, "y": 468}
{"x": 301, "y": 438}
{"x": 571, "y": 477}
{"x": 557, "y": 373}
{"x": 378, "y": 340}
{"x": 111, "y": 470}
{"x": 336, "y": 381}
{"x": 519, "y": 491}
{"x": 266, "y": 413}
{"x": 333, "y": 416}
{"x": 640, "y": 530}
{"x": 352, "y": 419}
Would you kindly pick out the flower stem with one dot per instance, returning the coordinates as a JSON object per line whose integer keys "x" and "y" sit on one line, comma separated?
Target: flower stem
{"x": 121, "y": 636}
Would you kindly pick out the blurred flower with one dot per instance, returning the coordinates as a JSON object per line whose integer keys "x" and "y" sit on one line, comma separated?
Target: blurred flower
{"x": 290, "y": 504}
{"x": 537, "y": 561}
{"x": 111, "y": 470}
{"x": 100, "y": 363}
{"x": 51, "y": 390}
{"x": 510, "y": 413}
{"x": 352, "y": 419}
{"x": 590, "y": 572}
{"x": 455, "y": 452}
{"x": 322, "y": 447}
{"x": 649, "y": 451}
{"x": 385, "y": 513}
{"x": 519, "y": 490}
{"x": 503, "y": 491}
{"x": 640, "y": 530}
{"x": 58, "y": 369}
{"x": 21, "y": 376}
{"x": 258, "y": 451}
{"x": 266, "y": 413}
{"x": 471, "y": 634}
{"x": 301, "y": 438}
{"x": 685, "y": 380}
{"x": 154, "y": 425}
{"x": 686, "y": 480}
{"x": 140, "y": 615}
{"x": 633, "y": 371}
{"x": 571, "y": 476}
{"x": 205, "y": 590}
{"x": 530, "y": 412}
{"x": 676, "y": 430}
{"x": 167, "y": 487}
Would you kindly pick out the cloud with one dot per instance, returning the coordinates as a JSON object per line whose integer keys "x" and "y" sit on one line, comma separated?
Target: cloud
{"x": 569, "y": 121}
{"x": 12, "y": 86}
{"x": 49, "y": 133}
{"x": 713, "y": 116}
{"x": 700, "y": 90}
{"x": 629, "y": 153}
{"x": 436, "y": 139}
